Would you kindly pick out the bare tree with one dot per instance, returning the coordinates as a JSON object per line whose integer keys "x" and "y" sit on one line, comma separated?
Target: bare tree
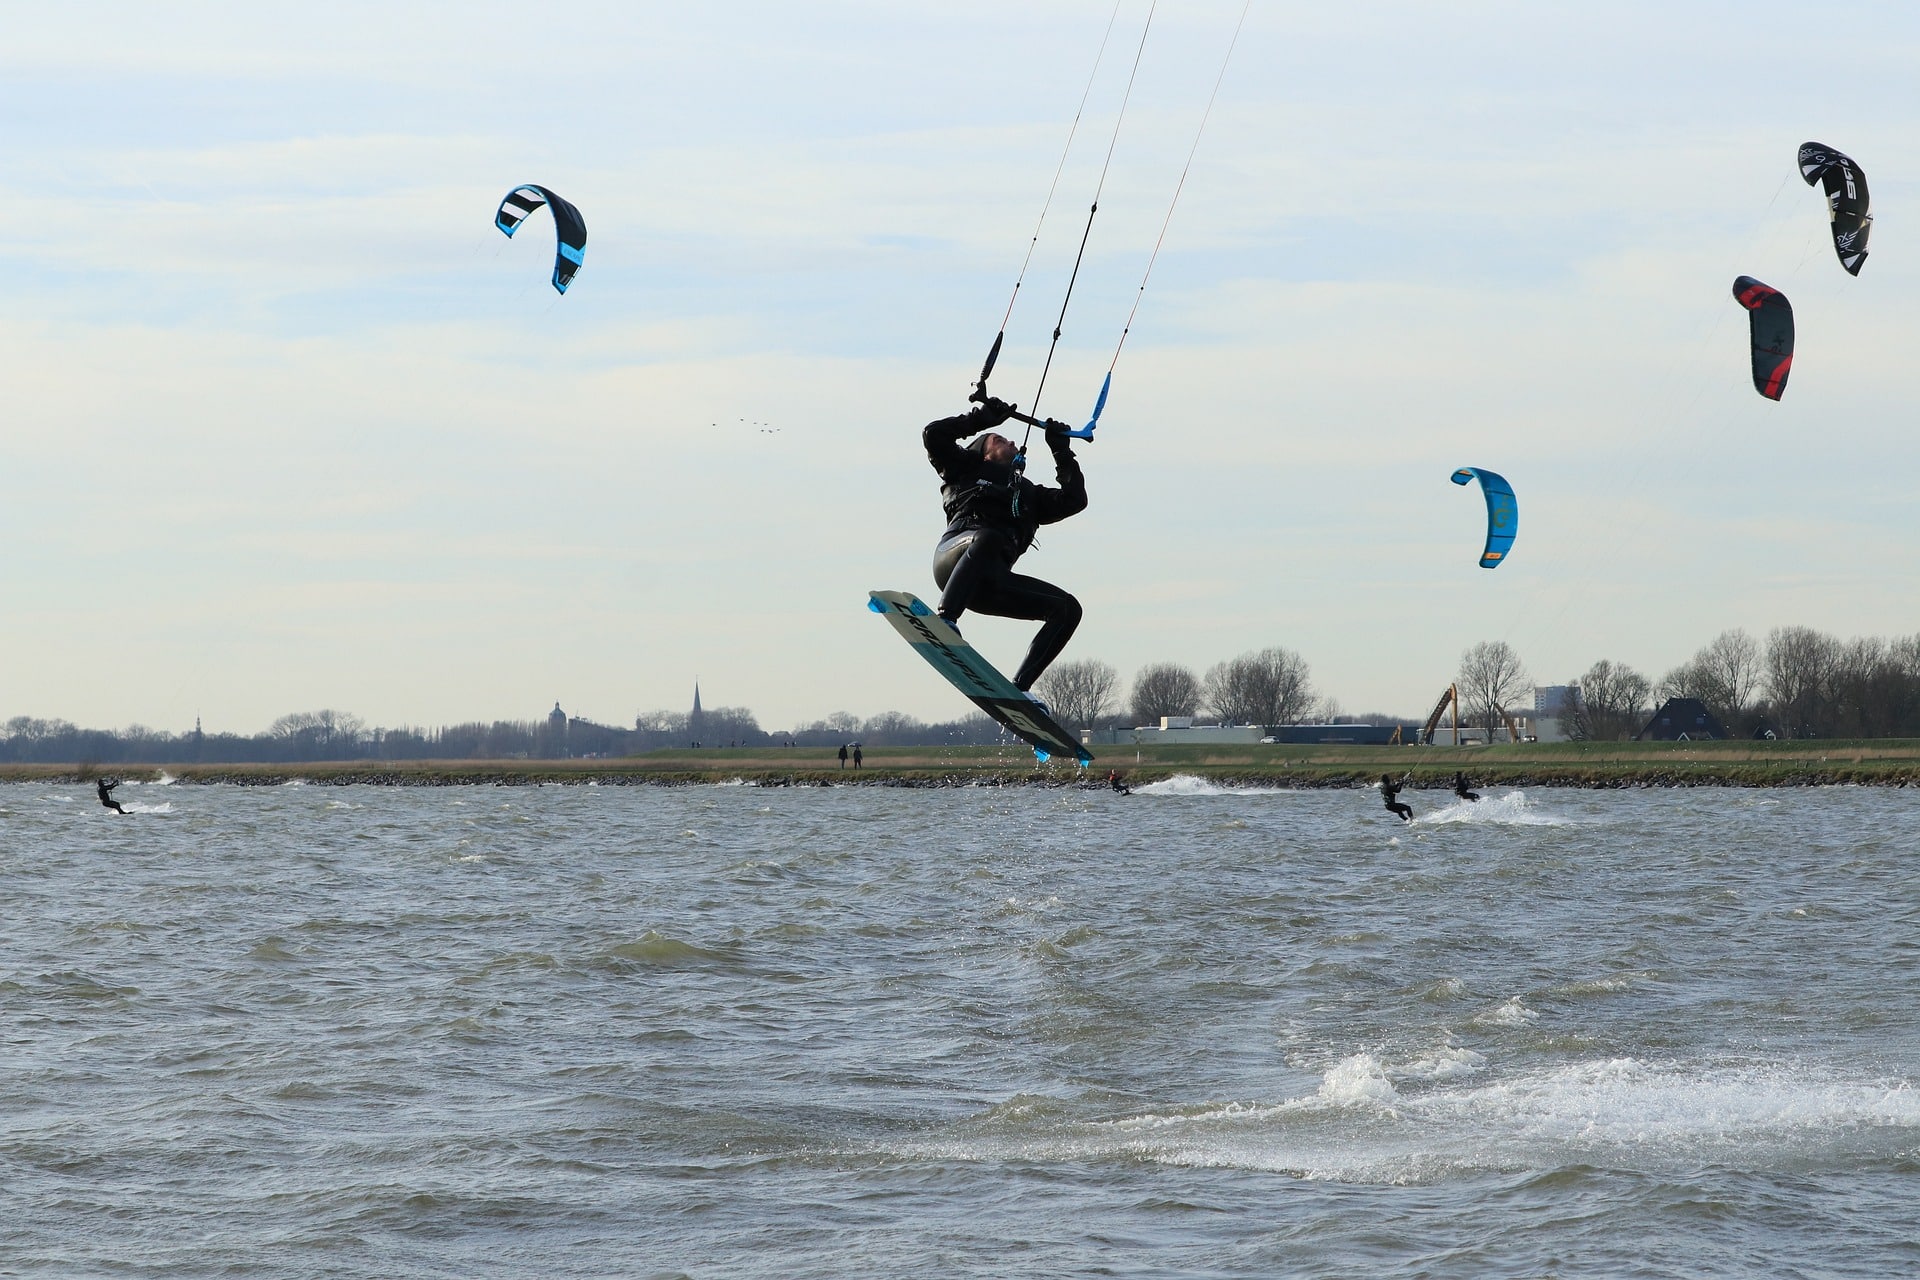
{"x": 320, "y": 731}
{"x": 1492, "y": 683}
{"x": 1269, "y": 687}
{"x": 892, "y": 729}
{"x": 1733, "y": 658}
{"x": 1227, "y": 693}
{"x": 729, "y": 724}
{"x": 1723, "y": 675}
{"x": 1079, "y": 693}
{"x": 1164, "y": 689}
{"x": 1613, "y": 702}
{"x": 1891, "y": 703}
{"x": 1800, "y": 669}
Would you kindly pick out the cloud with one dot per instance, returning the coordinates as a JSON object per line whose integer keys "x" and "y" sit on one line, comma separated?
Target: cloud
{"x": 291, "y": 416}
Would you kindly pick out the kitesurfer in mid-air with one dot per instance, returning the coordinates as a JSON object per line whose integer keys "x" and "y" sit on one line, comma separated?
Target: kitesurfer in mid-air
{"x": 1390, "y": 789}
{"x": 992, "y": 513}
{"x": 1460, "y": 788}
{"x": 103, "y": 787}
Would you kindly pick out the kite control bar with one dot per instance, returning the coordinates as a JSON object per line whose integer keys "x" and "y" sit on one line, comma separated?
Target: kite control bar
{"x": 979, "y": 393}
{"x": 1084, "y": 433}
{"x": 979, "y": 396}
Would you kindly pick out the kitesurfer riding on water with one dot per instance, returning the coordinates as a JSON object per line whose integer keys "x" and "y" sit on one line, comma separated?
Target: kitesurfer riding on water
{"x": 105, "y": 788}
{"x": 1389, "y": 792}
{"x": 992, "y": 513}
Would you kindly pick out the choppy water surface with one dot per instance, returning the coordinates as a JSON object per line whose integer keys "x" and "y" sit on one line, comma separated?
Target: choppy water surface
{"x": 726, "y": 1031}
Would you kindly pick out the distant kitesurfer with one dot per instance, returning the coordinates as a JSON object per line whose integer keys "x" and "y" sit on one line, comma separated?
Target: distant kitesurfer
{"x": 1113, "y": 780}
{"x": 992, "y": 513}
{"x": 1460, "y": 788}
{"x": 103, "y": 787}
{"x": 1388, "y": 790}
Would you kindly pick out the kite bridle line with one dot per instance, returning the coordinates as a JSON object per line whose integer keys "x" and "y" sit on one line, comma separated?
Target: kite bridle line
{"x": 1106, "y": 385}
{"x": 1099, "y": 187}
{"x": 993, "y": 354}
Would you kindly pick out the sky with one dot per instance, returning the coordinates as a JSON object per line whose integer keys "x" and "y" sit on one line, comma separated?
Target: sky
{"x": 291, "y": 426}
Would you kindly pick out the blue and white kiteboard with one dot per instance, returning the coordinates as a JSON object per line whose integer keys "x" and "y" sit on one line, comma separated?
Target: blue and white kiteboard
{"x": 974, "y": 676}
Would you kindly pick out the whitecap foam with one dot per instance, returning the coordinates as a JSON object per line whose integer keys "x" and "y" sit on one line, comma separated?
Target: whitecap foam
{"x": 1627, "y": 1102}
{"x": 165, "y": 779}
{"x": 1359, "y": 1081}
{"x": 1510, "y": 1014}
{"x": 1187, "y": 784}
{"x": 134, "y": 806}
{"x": 1208, "y": 1114}
{"x": 1356, "y": 1126}
{"x": 1450, "y": 1063}
{"x": 1509, "y": 810}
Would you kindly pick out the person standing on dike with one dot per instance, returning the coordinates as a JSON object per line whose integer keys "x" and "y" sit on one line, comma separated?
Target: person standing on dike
{"x": 992, "y": 513}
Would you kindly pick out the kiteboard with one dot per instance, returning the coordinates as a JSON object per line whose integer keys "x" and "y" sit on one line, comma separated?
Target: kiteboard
{"x": 974, "y": 676}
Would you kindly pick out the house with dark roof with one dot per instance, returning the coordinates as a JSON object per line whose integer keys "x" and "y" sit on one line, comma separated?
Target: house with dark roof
{"x": 1681, "y": 720}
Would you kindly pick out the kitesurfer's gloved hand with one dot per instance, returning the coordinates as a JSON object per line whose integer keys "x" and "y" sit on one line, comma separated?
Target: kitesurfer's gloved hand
{"x": 1057, "y": 437}
{"x": 992, "y": 412}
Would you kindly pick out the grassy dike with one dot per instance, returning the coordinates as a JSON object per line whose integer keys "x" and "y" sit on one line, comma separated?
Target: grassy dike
{"x": 1866, "y": 762}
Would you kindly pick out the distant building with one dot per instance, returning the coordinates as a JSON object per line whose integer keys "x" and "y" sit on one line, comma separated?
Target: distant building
{"x": 1554, "y": 706}
{"x": 1365, "y": 734}
{"x": 1555, "y": 699}
{"x": 696, "y": 718}
{"x": 1681, "y": 720}
{"x": 1173, "y": 731}
{"x": 1178, "y": 730}
{"x": 553, "y": 735}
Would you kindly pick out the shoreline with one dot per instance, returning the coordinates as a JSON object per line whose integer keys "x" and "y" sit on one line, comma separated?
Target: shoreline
{"x": 1585, "y": 766}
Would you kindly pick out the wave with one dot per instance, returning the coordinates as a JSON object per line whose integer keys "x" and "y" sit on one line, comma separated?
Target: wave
{"x": 1509, "y": 810}
{"x": 1441, "y": 1111}
{"x": 1186, "y": 784}
{"x": 659, "y": 951}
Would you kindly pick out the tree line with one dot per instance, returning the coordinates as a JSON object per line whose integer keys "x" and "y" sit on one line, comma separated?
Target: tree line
{"x": 329, "y": 735}
{"x": 1798, "y": 683}
{"x": 301, "y": 736}
{"x": 1265, "y": 686}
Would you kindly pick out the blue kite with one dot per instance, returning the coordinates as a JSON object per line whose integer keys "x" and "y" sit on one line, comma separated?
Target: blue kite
{"x": 1503, "y": 513}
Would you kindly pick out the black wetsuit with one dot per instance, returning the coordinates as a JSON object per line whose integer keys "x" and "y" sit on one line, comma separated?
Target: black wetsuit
{"x": 992, "y": 514}
{"x": 103, "y": 787}
{"x": 1113, "y": 780}
{"x": 1388, "y": 790}
{"x": 1460, "y": 788}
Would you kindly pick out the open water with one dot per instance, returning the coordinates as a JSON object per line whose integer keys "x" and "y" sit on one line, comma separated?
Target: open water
{"x": 727, "y": 1031}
